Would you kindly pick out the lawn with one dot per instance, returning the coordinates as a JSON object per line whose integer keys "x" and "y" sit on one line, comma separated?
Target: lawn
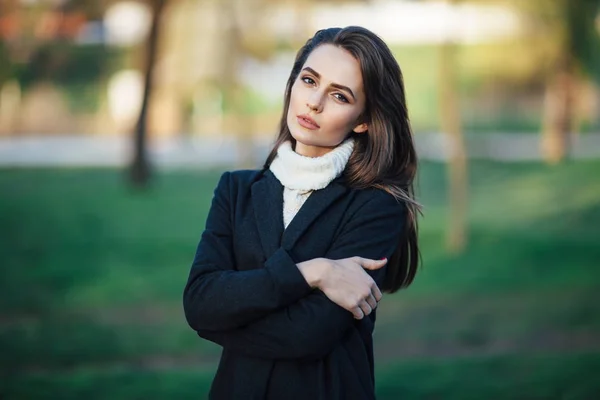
{"x": 92, "y": 276}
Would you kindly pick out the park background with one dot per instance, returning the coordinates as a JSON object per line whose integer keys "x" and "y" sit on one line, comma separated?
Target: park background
{"x": 118, "y": 117}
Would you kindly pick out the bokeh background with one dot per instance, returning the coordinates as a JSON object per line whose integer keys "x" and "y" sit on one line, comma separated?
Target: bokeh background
{"x": 118, "y": 116}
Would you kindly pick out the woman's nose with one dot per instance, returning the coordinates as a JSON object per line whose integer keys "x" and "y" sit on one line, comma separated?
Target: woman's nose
{"x": 315, "y": 103}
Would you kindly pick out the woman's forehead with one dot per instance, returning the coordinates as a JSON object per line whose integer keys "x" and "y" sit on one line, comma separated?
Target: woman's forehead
{"x": 336, "y": 65}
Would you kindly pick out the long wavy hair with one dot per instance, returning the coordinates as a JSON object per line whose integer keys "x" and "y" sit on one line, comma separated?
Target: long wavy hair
{"x": 384, "y": 157}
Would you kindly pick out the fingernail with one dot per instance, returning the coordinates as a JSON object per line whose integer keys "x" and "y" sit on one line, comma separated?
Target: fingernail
{"x": 383, "y": 258}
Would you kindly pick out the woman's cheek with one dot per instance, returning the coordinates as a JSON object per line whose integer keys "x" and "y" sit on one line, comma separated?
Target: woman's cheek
{"x": 296, "y": 94}
{"x": 342, "y": 121}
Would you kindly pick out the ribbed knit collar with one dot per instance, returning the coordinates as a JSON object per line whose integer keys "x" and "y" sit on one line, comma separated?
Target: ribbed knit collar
{"x": 298, "y": 172}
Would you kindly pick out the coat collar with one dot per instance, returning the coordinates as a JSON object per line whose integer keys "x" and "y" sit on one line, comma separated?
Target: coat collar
{"x": 267, "y": 200}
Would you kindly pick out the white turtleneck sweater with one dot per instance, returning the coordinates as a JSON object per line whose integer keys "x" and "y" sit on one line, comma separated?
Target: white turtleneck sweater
{"x": 301, "y": 175}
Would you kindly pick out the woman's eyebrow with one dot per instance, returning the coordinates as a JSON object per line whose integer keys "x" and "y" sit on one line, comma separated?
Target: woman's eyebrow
{"x": 335, "y": 85}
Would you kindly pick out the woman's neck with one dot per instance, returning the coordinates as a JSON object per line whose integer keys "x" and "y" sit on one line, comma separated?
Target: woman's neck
{"x": 298, "y": 172}
{"x": 311, "y": 151}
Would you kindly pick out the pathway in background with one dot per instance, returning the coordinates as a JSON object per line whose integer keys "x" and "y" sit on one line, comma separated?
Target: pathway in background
{"x": 76, "y": 151}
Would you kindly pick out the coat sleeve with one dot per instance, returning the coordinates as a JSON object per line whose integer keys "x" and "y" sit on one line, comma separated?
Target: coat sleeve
{"x": 217, "y": 296}
{"x": 312, "y": 326}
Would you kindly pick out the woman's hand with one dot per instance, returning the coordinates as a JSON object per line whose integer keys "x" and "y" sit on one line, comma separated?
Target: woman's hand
{"x": 345, "y": 282}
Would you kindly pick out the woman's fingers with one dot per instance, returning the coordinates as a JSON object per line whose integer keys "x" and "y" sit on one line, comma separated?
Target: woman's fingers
{"x": 371, "y": 301}
{"x": 358, "y": 313}
{"x": 365, "y": 307}
{"x": 346, "y": 279}
{"x": 376, "y": 292}
{"x": 367, "y": 263}
{"x": 372, "y": 265}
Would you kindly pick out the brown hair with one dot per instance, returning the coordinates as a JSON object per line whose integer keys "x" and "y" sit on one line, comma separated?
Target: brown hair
{"x": 384, "y": 157}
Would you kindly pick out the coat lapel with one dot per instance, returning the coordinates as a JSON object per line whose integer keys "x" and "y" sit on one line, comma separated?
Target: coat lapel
{"x": 267, "y": 201}
{"x": 312, "y": 209}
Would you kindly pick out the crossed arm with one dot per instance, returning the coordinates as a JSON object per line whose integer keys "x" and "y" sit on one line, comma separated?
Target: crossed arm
{"x": 217, "y": 297}
{"x": 272, "y": 312}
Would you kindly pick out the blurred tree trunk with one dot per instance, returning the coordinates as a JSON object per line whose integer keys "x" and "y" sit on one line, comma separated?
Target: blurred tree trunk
{"x": 557, "y": 124}
{"x": 579, "y": 51}
{"x": 140, "y": 170}
{"x": 450, "y": 121}
{"x": 230, "y": 85}
{"x": 559, "y": 110}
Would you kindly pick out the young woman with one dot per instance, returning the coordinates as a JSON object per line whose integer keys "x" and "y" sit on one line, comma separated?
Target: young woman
{"x": 290, "y": 267}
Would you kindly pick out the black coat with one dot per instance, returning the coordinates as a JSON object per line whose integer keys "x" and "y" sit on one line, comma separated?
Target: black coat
{"x": 280, "y": 338}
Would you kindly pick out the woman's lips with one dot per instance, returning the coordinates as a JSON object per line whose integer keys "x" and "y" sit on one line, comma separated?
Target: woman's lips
{"x": 307, "y": 122}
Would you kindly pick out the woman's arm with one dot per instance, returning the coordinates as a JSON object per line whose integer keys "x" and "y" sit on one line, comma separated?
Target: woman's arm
{"x": 312, "y": 326}
{"x": 345, "y": 282}
{"x": 218, "y": 297}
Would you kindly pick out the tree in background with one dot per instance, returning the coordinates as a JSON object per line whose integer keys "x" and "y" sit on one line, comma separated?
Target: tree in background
{"x": 569, "y": 34}
{"x": 140, "y": 170}
{"x": 577, "y": 52}
{"x": 565, "y": 42}
{"x": 451, "y": 126}
{"x": 233, "y": 18}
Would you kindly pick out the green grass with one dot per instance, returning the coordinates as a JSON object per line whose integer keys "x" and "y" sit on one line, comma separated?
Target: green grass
{"x": 114, "y": 384}
{"x": 508, "y": 377}
{"x": 92, "y": 276}
{"x": 523, "y": 377}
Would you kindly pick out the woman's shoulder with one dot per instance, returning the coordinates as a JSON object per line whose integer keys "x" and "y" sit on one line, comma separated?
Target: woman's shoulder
{"x": 373, "y": 198}
{"x": 239, "y": 179}
{"x": 243, "y": 175}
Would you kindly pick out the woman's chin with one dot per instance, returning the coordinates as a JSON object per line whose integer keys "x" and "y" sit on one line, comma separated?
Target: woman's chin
{"x": 306, "y": 138}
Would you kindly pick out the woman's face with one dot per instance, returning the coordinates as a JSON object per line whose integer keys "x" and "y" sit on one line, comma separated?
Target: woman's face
{"x": 326, "y": 101}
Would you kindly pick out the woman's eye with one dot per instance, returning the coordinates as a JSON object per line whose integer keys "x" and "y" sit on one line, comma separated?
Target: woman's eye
{"x": 341, "y": 97}
{"x": 308, "y": 80}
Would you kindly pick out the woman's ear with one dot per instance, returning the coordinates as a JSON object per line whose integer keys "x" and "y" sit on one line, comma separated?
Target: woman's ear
{"x": 362, "y": 128}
